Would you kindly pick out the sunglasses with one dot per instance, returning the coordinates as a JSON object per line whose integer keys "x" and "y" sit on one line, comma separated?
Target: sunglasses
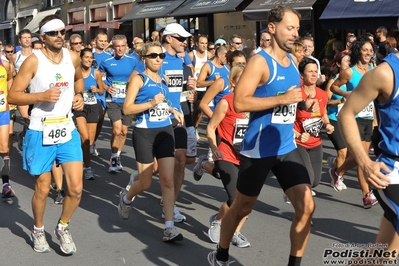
{"x": 76, "y": 43}
{"x": 211, "y": 48}
{"x": 155, "y": 55}
{"x": 238, "y": 43}
{"x": 54, "y": 33}
{"x": 179, "y": 38}
{"x": 9, "y": 52}
{"x": 266, "y": 40}
{"x": 219, "y": 44}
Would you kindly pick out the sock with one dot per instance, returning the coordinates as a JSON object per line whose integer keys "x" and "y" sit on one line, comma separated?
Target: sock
{"x": 222, "y": 254}
{"x": 114, "y": 155}
{"x": 118, "y": 154}
{"x": 88, "y": 168}
{"x": 5, "y": 169}
{"x": 126, "y": 201}
{"x": 203, "y": 163}
{"x": 38, "y": 229}
{"x": 294, "y": 261}
{"x": 169, "y": 224}
{"x": 61, "y": 224}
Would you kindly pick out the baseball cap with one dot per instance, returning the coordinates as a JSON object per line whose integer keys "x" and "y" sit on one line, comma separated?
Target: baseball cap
{"x": 176, "y": 28}
{"x": 220, "y": 41}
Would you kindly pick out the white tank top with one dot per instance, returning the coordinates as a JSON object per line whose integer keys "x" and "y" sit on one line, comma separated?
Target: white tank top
{"x": 199, "y": 62}
{"x": 49, "y": 75}
{"x": 20, "y": 59}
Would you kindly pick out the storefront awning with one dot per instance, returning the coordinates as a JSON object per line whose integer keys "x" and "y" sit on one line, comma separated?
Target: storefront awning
{"x": 199, "y": 7}
{"x": 6, "y": 25}
{"x": 33, "y": 26}
{"x": 360, "y": 14}
{"x": 157, "y": 9}
{"x": 258, "y": 9}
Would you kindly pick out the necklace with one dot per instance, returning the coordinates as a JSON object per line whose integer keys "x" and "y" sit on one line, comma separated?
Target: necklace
{"x": 364, "y": 68}
{"x": 52, "y": 60}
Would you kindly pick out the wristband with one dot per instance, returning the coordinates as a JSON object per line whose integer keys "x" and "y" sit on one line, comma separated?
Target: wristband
{"x": 79, "y": 92}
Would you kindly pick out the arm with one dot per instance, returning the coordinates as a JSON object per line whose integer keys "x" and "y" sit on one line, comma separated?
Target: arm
{"x": 205, "y": 71}
{"x": 191, "y": 56}
{"x": 343, "y": 78}
{"x": 10, "y": 76}
{"x": 374, "y": 84}
{"x": 209, "y": 95}
{"x": 100, "y": 83}
{"x": 326, "y": 120}
{"x": 256, "y": 73}
{"x": 79, "y": 85}
{"x": 330, "y": 93}
{"x": 218, "y": 116}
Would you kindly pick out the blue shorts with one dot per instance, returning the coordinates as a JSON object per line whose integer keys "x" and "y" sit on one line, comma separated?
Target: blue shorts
{"x": 5, "y": 118}
{"x": 38, "y": 158}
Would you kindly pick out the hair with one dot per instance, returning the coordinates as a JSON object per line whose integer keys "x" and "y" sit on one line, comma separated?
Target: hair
{"x": 234, "y": 36}
{"x": 234, "y": 72}
{"x": 118, "y": 37}
{"x": 139, "y": 48}
{"x": 37, "y": 41}
{"x": 24, "y": 31}
{"x": 84, "y": 50}
{"x": 305, "y": 61}
{"x": 199, "y": 37}
{"x": 101, "y": 33}
{"x": 307, "y": 38}
{"x": 339, "y": 45}
{"x": 74, "y": 36}
{"x": 357, "y": 46}
{"x": 383, "y": 30}
{"x": 9, "y": 45}
{"x": 210, "y": 43}
{"x": 369, "y": 35}
{"x": 47, "y": 19}
{"x": 148, "y": 45}
{"x": 276, "y": 14}
{"x": 391, "y": 41}
{"x": 337, "y": 59}
{"x": 296, "y": 47}
{"x": 350, "y": 37}
{"x": 220, "y": 49}
{"x": 234, "y": 54}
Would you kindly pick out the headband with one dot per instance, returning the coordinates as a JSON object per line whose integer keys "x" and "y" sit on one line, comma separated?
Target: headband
{"x": 52, "y": 25}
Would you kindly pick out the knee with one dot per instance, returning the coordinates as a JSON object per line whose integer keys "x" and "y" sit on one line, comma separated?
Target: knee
{"x": 42, "y": 190}
{"x": 180, "y": 158}
{"x": 145, "y": 184}
{"x": 75, "y": 191}
{"x": 117, "y": 131}
{"x": 305, "y": 207}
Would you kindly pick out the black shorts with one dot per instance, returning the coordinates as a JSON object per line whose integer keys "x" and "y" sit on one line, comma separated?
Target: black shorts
{"x": 365, "y": 128}
{"x": 336, "y": 137}
{"x": 180, "y": 134}
{"x": 289, "y": 170}
{"x": 229, "y": 175}
{"x": 115, "y": 113}
{"x": 388, "y": 198}
{"x": 153, "y": 142}
{"x": 90, "y": 112}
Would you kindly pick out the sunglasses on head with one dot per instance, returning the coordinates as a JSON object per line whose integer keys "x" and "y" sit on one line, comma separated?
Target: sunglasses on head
{"x": 179, "y": 38}
{"x": 155, "y": 55}
{"x": 55, "y": 33}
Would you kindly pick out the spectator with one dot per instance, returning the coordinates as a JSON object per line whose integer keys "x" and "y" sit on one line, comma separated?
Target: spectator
{"x": 390, "y": 45}
{"x": 381, "y": 34}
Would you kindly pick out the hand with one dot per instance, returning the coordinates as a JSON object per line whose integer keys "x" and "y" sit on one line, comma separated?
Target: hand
{"x": 93, "y": 88}
{"x": 322, "y": 78}
{"x": 217, "y": 155}
{"x": 179, "y": 117}
{"x": 293, "y": 95}
{"x": 372, "y": 172}
{"x": 217, "y": 76}
{"x": 51, "y": 95}
{"x": 191, "y": 96}
{"x": 111, "y": 90}
{"x": 311, "y": 105}
{"x": 191, "y": 83}
{"x": 329, "y": 128}
{"x": 343, "y": 99}
{"x": 78, "y": 103}
{"x": 157, "y": 99}
{"x": 304, "y": 137}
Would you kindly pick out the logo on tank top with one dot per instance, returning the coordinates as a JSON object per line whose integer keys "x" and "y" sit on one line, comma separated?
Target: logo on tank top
{"x": 280, "y": 78}
{"x": 59, "y": 82}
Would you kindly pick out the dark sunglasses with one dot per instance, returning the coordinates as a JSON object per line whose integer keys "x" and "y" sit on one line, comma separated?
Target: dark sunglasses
{"x": 238, "y": 43}
{"x": 76, "y": 43}
{"x": 9, "y": 52}
{"x": 179, "y": 38}
{"x": 211, "y": 48}
{"x": 54, "y": 33}
{"x": 155, "y": 55}
{"x": 219, "y": 44}
{"x": 266, "y": 40}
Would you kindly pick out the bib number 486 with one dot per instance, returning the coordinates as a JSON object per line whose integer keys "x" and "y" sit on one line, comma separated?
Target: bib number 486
{"x": 57, "y": 133}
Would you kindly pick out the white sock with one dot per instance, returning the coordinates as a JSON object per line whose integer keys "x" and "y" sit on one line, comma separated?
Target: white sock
{"x": 126, "y": 201}
{"x": 169, "y": 224}
{"x": 118, "y": 154}
{"x": 38, "y": 229}
{"x": 114, "y": 155}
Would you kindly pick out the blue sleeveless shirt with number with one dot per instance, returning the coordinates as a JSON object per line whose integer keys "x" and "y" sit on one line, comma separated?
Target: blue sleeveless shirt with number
{"x": 157, "y": 116}
{"x": 270, "y": 132}
{"x": 367, "y": 112}
{"x": 221, "y": 71}
{"x": 88, "y": 96}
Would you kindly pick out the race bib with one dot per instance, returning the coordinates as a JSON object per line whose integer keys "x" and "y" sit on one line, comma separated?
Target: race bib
{"x": 339, "y": 107}
{"x": 313, "y": 126}
{"x": 239, "y": 130}
{"x": 89, "y": 98}
{"x": 120, "y": 89}
{"x": 367, "y": 112}
{"x": 284, "y": 114}
{"x": 175, "y": 80}
{"x": 159, "y": 113}
{"x": 3, "y": 103}
{"x": 56, "y": 130}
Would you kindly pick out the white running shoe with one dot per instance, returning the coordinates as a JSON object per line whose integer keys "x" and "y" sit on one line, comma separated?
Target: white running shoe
{"x": 177, "y": 216}
{"x": 171, "y": 234}
{"x": 132, "y": 179}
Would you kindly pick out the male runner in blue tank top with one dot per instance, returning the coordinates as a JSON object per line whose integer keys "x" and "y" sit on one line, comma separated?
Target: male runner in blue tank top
{"x": 380, "y": 85}
{"x": 269, "y": 90}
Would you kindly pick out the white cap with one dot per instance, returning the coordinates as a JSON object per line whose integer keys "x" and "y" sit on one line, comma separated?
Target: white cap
{"x": 176, "y": 28}
{"x": 220, "y": 41}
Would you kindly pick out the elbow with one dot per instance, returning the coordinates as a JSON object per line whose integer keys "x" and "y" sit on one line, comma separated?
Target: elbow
{"x": 238, "y": 106}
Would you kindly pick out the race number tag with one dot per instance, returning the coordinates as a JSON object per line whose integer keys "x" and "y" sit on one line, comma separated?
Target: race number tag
{"x": 159, "y": 113}
{"x": 339, "y": 107}
{"x": 3, "y": 103}
{"x": 89, "y": 98}
{"x": 56, "y": 130}
{"x": 239, "y": 130}
{"x": 313, "y": 126}
{"x": 284, "y": 114}
{"x": 175, "y": 80}
{"x": 367, "y": 112}
{"x": 120, "y": 89}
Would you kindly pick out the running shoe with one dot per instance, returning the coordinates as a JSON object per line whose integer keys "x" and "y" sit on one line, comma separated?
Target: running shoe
{"x": 89, "y": 174}
{"x": 240, "y": 240}
{"x": 113, "y": 167}
{"x": 53, "y": 186}
{"x": 286, "y": 199}
{"x": 335, "y": 180}
{"x": 331, "y": 161}
{"x": 313, "y": 193}
{"x": 170, "y": 234}
{"x": 177, "y": 216}
{"x": 66, "y": 242}
{"x": 214, "y": 262}
{"x": 214, "y": 229}
{"x": 93, "y": 150}
{"x": 7, "y": 191}
{"x": 39, "y": 241}
{"x": 123, "y": 208}
{"x": 370, "y": 200}
{"x": 198, "y": 170}
{"x": 119, "y": 166}
{"x": 59, "y": 199}
{"x": 132, "y": 179}
{"x": 343, "y": 184}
